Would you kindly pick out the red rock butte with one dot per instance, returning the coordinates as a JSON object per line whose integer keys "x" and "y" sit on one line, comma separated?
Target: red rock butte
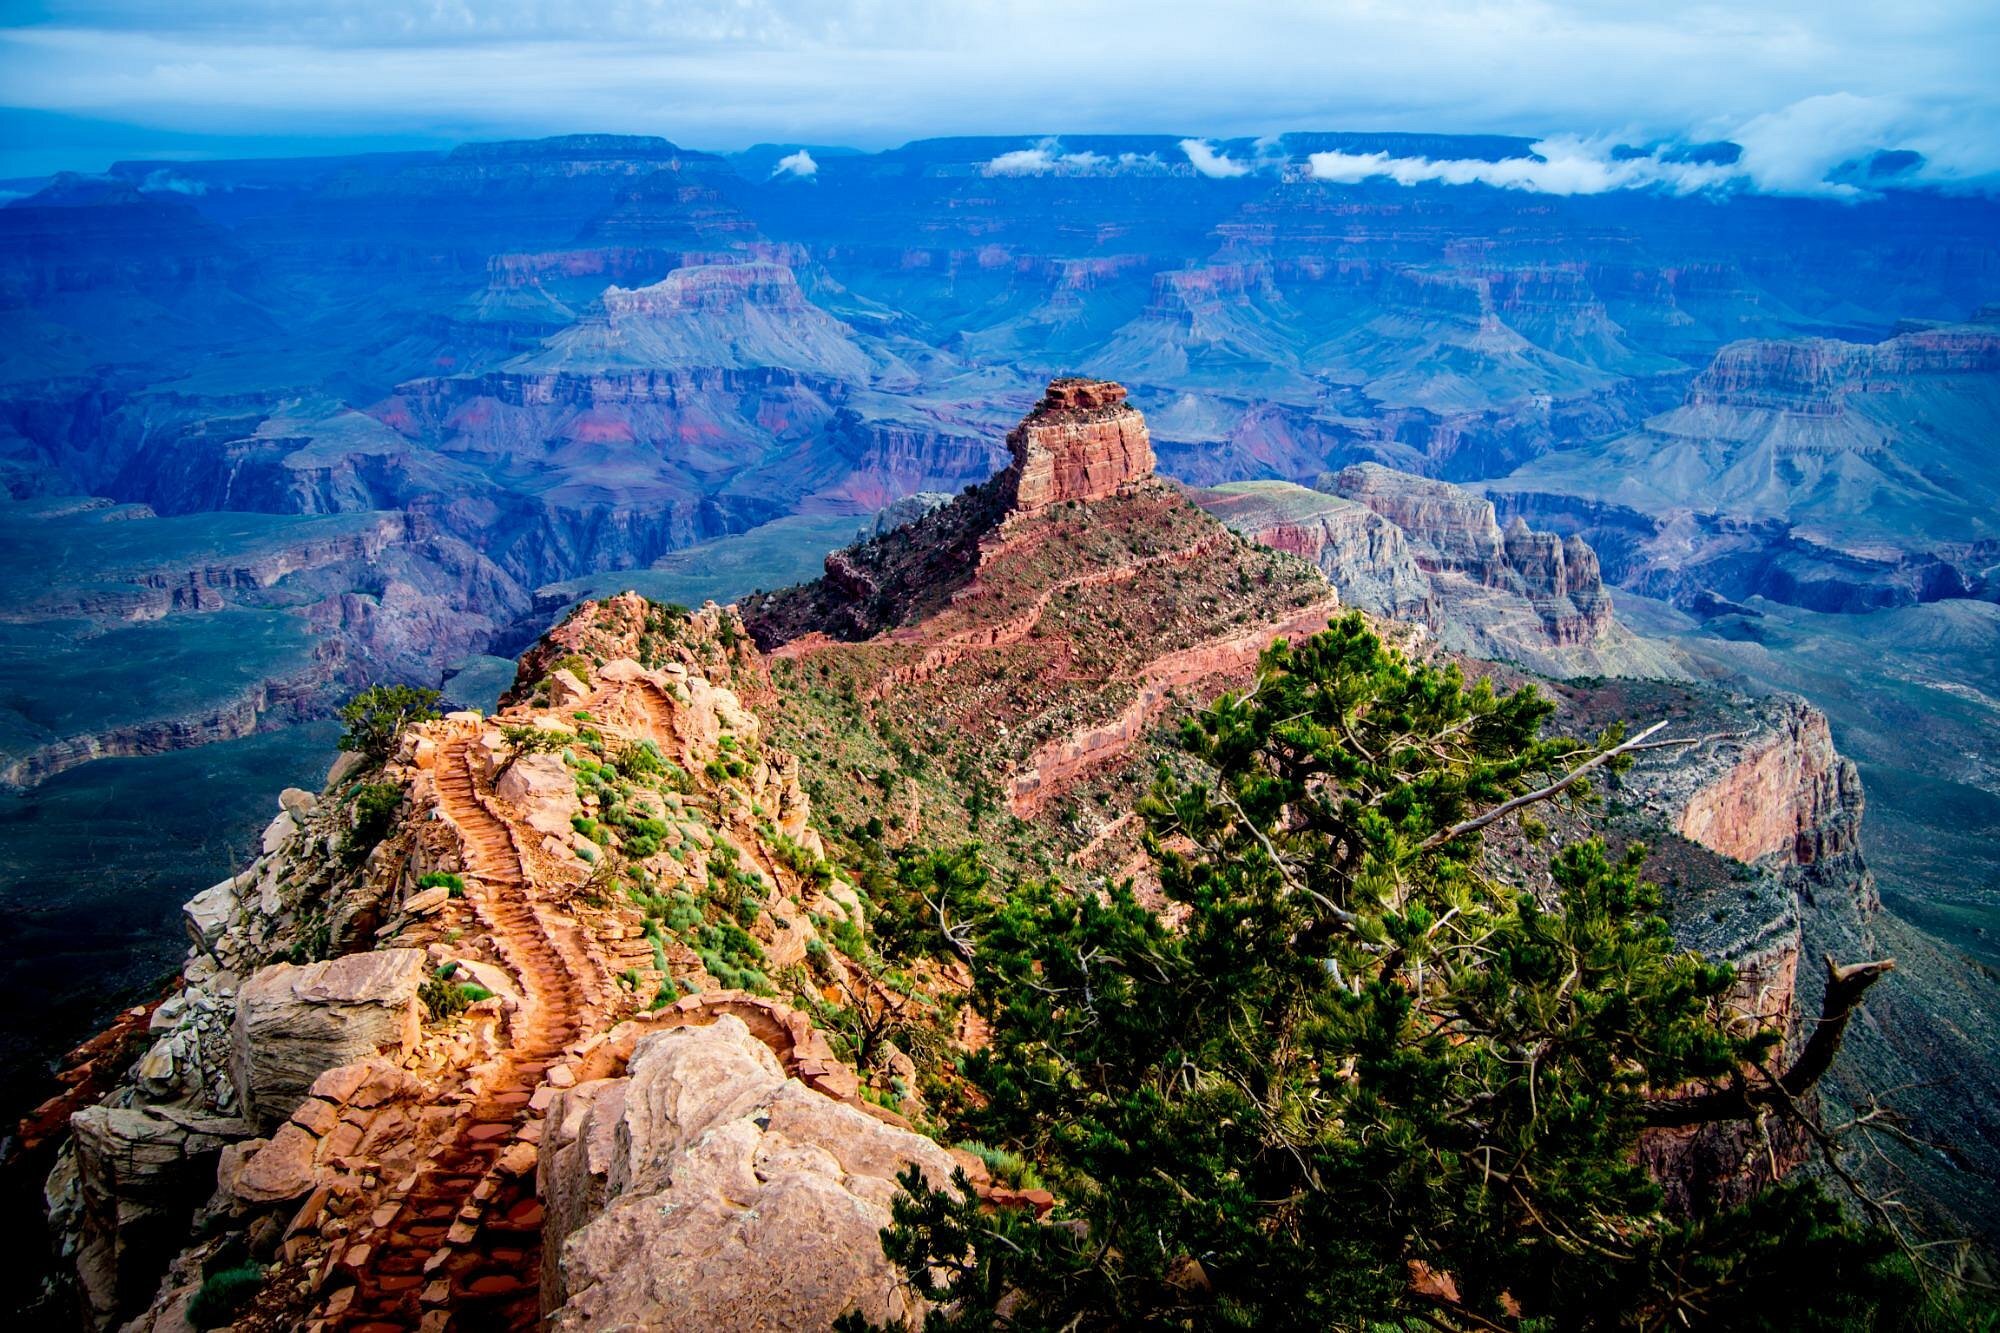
{"x": 1083, "y": 441}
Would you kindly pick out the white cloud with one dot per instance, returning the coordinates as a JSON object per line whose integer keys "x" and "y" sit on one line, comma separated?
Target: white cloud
{"x": 1792, "y": 150}
{"x": 873, "y": 73}
{"x": 1559, "y": 166}
{"x": 1211, "y": 163}
{"x": 1047, "y": 158}
{"x": 796, "y": 164}
{"x": 166, "y": 181}
{"x": 1799, "y": 149}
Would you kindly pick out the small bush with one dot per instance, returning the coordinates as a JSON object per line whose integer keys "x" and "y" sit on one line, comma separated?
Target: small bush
{"x": 453, "y": 886}
{"x": 442, "y": 998}
{"x": 640, "y": 759}
{"x": 524, "y": 741}
{"x": 375, "y": 805}
{"x": 224, "y": 1294}
{"x": 374, "y": 717}
{"x": 1009, "y": 1168}
{"x": 575, "y": 663}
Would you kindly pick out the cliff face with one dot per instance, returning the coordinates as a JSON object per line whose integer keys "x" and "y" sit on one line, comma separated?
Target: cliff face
{"x": 1364, "y": 555}
{"x": 1779, "y": 792}
{"x": 1754, "y": 835}
{"x": 1814, "y": 377}
{"x": 1455, "y": 533}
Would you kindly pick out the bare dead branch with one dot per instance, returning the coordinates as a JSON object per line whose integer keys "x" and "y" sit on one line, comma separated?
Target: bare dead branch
{"x": 1560, "y": 785}
{"x": 1845, "y": 985}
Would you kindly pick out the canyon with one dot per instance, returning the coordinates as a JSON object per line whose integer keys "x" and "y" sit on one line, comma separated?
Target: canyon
{"x": 563, "y": 1028}
{"x": 287, "y": 429}
{"x": 628, "y": 347}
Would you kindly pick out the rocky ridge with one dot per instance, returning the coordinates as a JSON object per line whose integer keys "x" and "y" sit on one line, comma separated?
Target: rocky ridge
{"x": 597, "y": 968}
{"x": 1430, "y": 553}
{"x": 366, "y": 1126}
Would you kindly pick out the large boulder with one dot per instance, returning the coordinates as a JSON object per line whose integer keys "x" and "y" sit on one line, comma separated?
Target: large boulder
{"x": 295, "y": 1023}
{"x": 210, "y": 912}
{"x": 542, "y": 786}
{"x": 705, "y": 1190}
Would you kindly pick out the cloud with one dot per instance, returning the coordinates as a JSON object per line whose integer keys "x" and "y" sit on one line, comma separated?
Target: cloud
{"x": 1047, "y": 158}
{"x": 1211, "y": 163}
{"x": 799, "y": 164}
{"x": 166, "y": 181}
{"x": 1819, "y": 146}
{"x": 1795, "y": 149}
{"x": 153, "y": 79}
{"x": 1558, "y": 166}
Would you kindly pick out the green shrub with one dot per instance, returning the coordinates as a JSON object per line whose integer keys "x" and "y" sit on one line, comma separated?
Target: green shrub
{"x": 374, "y": 812}
{"x": 575, "y": 663}
{"x": 640, "y": 759}
{"x": 441, "y": 998}
{"x": 453, "y": 886}
{"x": 1009, "y": 1168}
{"x": 224, "y": 1294}
{"x": 524, "y": 741}
{"x": 374, "y": 717}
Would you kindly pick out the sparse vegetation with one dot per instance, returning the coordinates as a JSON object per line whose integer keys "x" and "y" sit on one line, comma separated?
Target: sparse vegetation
{"x": 373, "y": 807}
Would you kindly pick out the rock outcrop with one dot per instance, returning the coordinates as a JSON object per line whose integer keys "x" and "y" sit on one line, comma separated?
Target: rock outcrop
{"x": 1363, "y": 554}
{"x": 1038, "y": 626}
{"x": 1778, "y": 793}
{"x": 1755, "y": 835}
{"x": 295, "y": 1023}
{"x": 705, "y": 1128}
{"x": 1082, "y": 442}
{"x": 1454, "y": 533}
{"x": 136, "y": 1172}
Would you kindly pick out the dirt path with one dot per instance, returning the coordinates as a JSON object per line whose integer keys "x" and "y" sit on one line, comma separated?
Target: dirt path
{"x": 459, "y": 1246}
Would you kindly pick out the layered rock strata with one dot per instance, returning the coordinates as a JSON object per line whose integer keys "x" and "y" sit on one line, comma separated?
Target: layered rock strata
{"x": 1754, "y": 834}
{"x": 1039, "y": 626}
{"x": 1454, "y": 533}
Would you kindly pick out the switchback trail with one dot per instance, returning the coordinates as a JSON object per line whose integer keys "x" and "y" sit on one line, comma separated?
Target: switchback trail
{"x": 459, "y": 1246}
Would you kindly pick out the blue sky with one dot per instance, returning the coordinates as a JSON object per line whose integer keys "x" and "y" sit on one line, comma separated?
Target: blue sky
{"x": 1804, "y": 85}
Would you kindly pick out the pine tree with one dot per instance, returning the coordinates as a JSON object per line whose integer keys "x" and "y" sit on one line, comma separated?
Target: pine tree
{"x": 1351, "y": 1079}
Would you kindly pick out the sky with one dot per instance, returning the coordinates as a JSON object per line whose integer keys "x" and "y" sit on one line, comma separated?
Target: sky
{"x": 1804, "y": 85}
